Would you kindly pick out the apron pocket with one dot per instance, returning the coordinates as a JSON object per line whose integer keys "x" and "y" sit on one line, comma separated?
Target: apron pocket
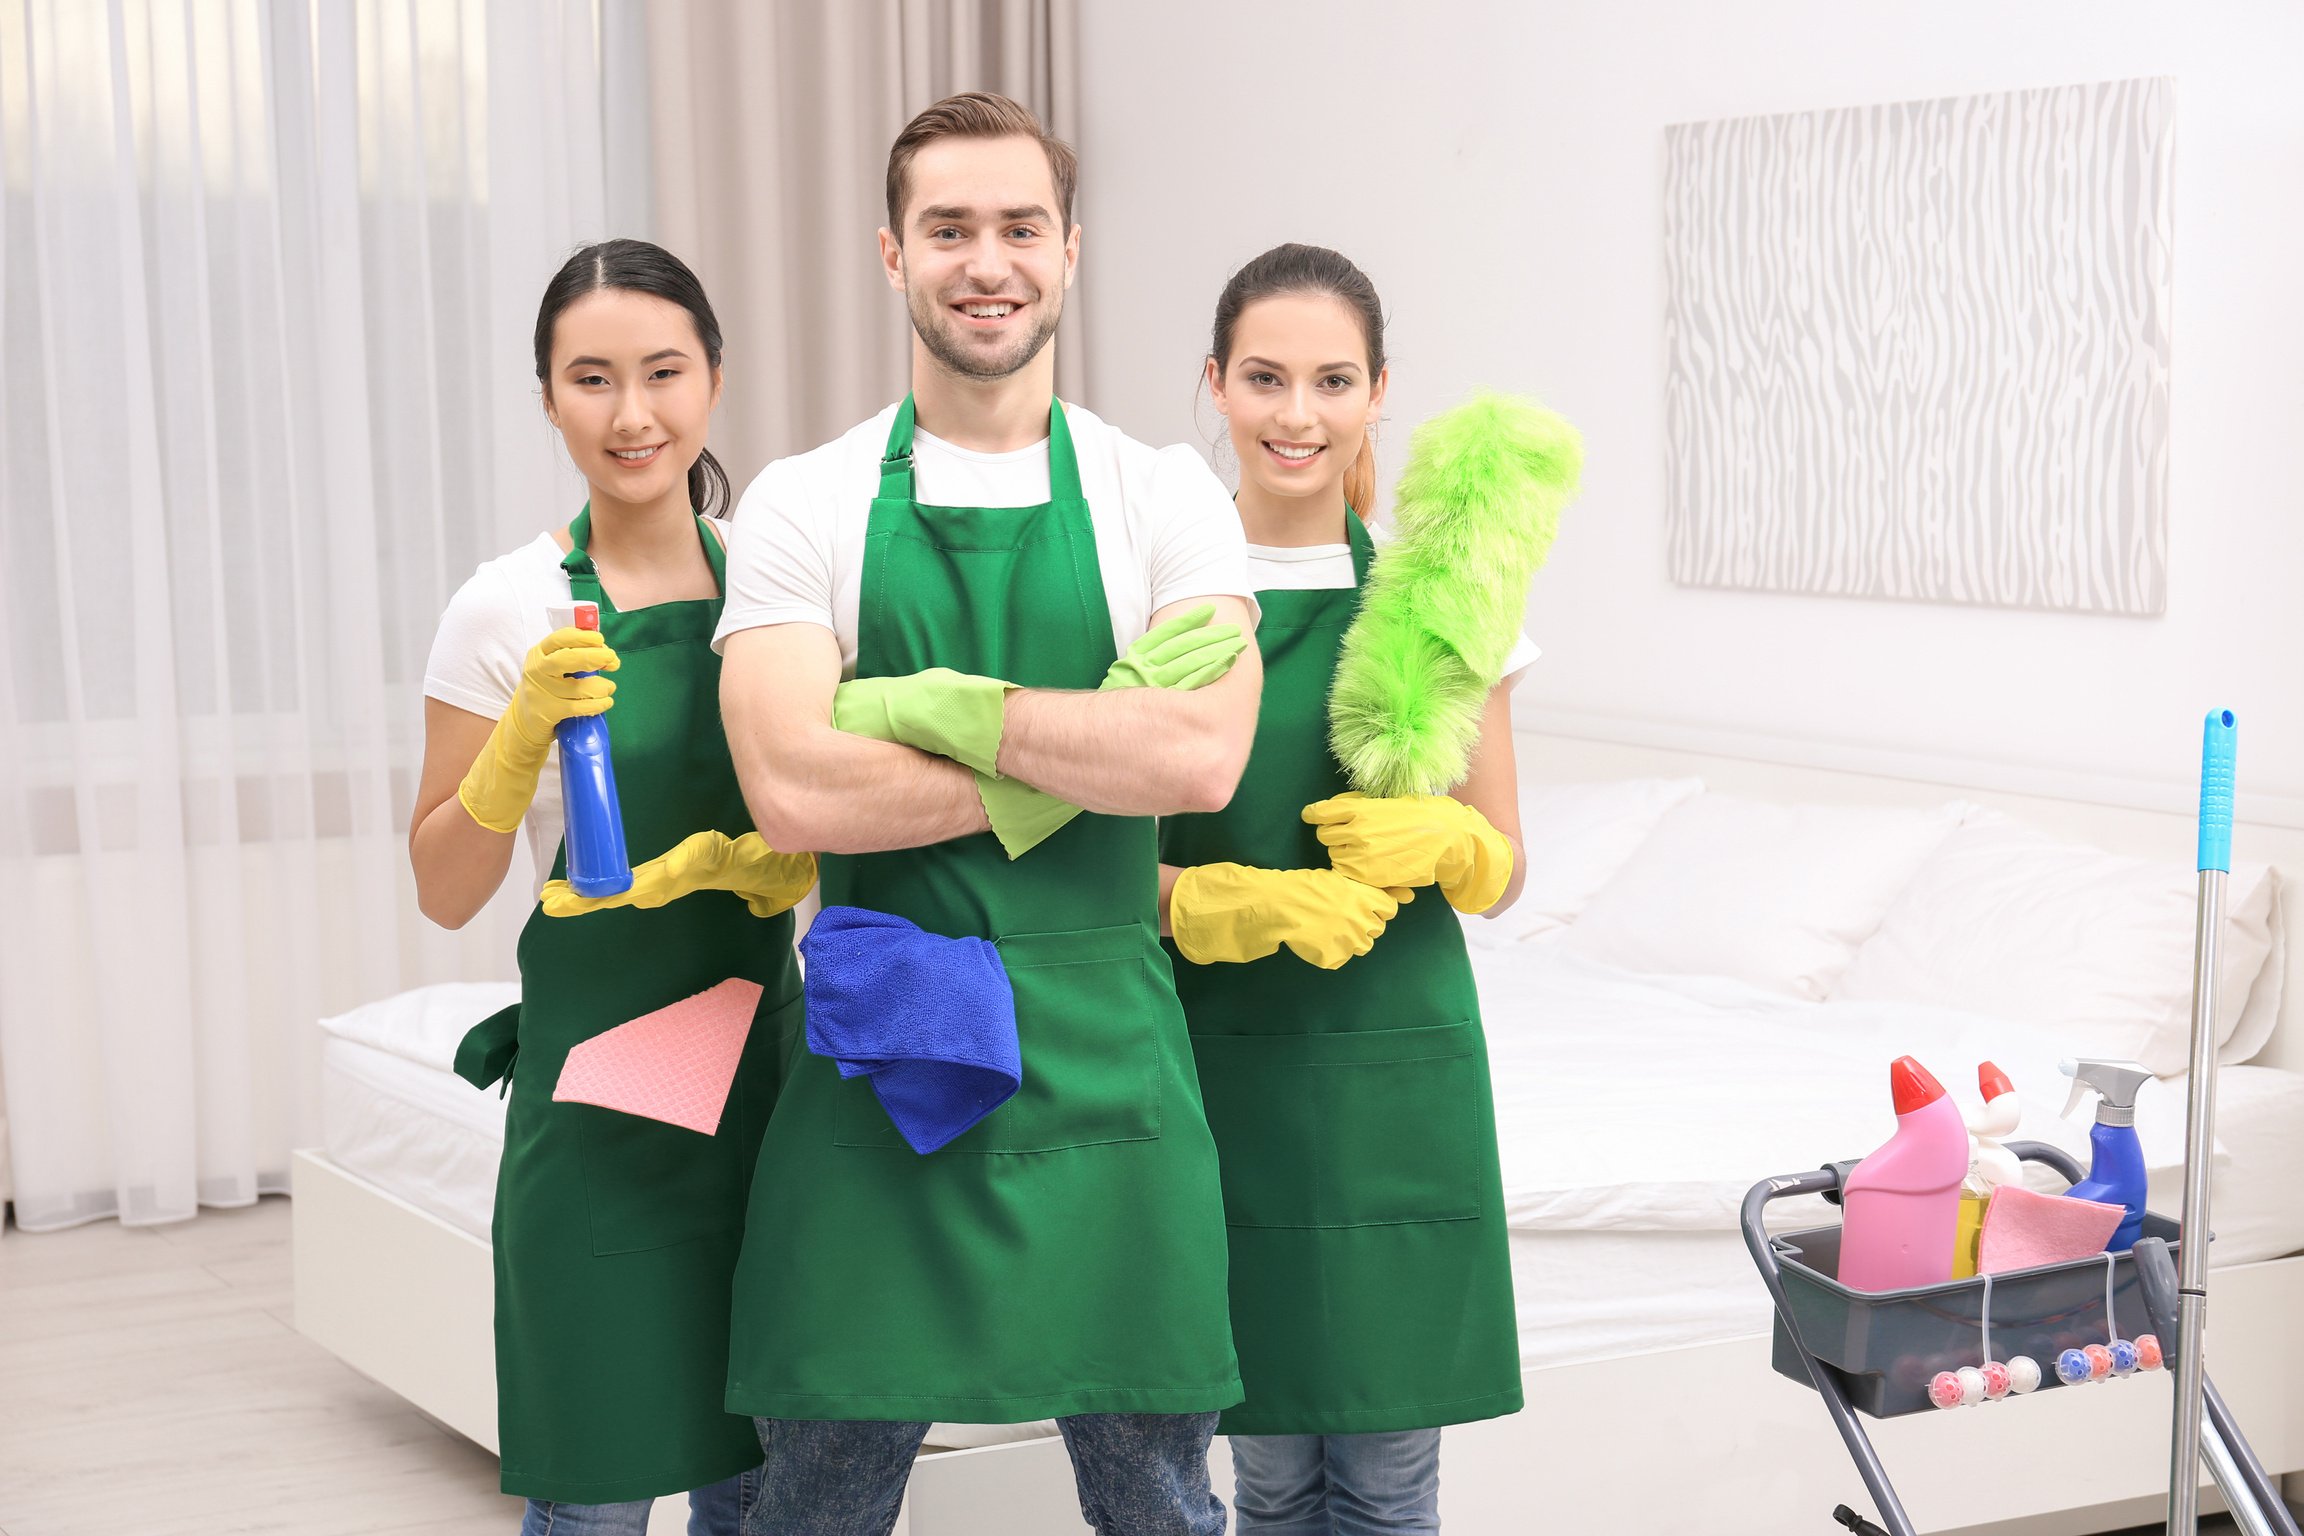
{"x": 1356, "y": 1129}
{"x": 1090, "y": 1006}
{"x": 650, "y": 1185}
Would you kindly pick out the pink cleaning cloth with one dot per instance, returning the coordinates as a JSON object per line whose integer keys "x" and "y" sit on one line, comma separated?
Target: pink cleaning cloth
{"x": 2023, "y": 1227}
{"x": 675, "y": 1065}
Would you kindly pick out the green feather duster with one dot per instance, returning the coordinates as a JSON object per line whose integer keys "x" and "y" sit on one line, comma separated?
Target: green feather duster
{"x": 1476, "y": 509}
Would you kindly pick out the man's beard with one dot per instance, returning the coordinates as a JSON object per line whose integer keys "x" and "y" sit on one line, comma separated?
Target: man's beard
{"x": 930, "y": 320}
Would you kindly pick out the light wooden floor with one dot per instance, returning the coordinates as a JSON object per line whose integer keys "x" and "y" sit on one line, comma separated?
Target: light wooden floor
{"x": 151, "y": 1384}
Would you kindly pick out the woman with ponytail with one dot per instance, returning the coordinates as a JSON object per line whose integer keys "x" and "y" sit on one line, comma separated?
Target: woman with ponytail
{"x": 1371, "y": 1290}
{"x": 616, "y": 1233}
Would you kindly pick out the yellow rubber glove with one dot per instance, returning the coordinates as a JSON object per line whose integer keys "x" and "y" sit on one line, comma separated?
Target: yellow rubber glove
{"x": 770, "y": 882}
{"x": 951, "y": 714}
{"x": 1416, "y": 840}
{"x": 502, "y": 780}
{"x": 1235, "y": 912}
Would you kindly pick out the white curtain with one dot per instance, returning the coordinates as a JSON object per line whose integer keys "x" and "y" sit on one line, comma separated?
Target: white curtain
{"x": 269, "y": 274}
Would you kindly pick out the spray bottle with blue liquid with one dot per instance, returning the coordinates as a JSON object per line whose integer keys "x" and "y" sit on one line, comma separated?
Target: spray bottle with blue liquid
{"x": 594, "y": 831}
{"x": 2116, "y": 1161}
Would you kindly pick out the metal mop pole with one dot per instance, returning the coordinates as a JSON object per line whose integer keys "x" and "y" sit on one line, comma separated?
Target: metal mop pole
{"x": 2216, "y": 757}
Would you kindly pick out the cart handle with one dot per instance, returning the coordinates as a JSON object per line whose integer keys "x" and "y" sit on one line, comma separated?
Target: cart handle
{"x": 1827, "y": 1180}
{"x": 2066, "y": 1165}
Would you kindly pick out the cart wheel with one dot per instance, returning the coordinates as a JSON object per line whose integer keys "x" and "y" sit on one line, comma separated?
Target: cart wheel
{"x": 1855, "y": 1522}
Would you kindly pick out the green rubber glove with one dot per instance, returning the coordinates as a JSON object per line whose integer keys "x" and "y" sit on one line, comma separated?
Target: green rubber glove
{"x": 951, "y": 714}
{"x": 1187, "y": 652}
{"x": 956, "y": 715}
{"x": 1022, "y": 817}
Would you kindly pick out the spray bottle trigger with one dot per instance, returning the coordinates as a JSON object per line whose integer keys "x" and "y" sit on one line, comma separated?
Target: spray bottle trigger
{"x": 2071, "y": 1069}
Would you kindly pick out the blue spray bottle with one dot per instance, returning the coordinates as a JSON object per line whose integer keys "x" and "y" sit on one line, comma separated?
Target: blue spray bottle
{"x": 597, "y": 863}
{"x": 2116, "y": 1158}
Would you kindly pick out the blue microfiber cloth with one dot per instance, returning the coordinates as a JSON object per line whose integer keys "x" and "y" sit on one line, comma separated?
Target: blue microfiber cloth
{"x": 931, "y": 1020}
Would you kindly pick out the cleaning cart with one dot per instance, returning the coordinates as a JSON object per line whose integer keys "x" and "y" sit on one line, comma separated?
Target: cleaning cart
{"x": 1880, "y": 1352}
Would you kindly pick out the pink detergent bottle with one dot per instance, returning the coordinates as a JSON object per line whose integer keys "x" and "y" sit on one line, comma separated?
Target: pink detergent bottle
{"x": 1902, "y": 1204}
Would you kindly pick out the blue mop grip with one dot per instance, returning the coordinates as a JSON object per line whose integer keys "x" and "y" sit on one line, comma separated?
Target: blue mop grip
{"x": 2217, "y": 744}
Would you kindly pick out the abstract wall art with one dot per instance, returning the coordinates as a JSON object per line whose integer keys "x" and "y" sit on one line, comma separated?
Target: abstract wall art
{"x": 1920, "y": 351}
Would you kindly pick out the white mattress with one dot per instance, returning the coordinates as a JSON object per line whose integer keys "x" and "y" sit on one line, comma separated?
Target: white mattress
{"x": 1633, "y": 1114}
{"x": 418, "y": 1131}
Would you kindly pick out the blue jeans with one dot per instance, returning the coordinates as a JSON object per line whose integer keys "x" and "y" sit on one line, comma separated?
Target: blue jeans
{"x": 1337, "y": 1485}
{"x": 1138, "y": 1474}
{"x": 719, "y": 1510}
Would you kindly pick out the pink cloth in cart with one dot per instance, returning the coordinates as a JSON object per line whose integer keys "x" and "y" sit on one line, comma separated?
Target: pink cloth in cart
{"x": 2023, "y": 1227}
{"x": 675, "y": 1064}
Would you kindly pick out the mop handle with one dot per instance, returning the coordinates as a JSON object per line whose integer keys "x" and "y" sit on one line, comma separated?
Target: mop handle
{"x": 2219, "y": 740}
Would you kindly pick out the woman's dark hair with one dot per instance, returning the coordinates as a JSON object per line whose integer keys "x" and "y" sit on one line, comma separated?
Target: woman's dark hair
{"x": 1311, "y": 269}
{"x": 636, "y": 266}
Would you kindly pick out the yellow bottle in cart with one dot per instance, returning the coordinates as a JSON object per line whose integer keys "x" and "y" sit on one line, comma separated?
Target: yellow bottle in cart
{"x": 1970, "y": 1232}
{"x": 1990, "y": 1164}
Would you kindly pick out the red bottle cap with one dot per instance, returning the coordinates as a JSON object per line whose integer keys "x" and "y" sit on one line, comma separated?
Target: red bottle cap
{"x": 588, "y": 616}
{"x": 1912, "y": 1085}
{"x": 1992, "y": 1082}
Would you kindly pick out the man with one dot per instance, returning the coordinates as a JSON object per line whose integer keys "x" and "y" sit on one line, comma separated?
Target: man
{"x": 1066, "y": 1257}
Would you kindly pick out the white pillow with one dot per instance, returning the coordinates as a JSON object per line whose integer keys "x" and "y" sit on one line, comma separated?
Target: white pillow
{"x": 1577, "y": 837}
{"x": 1779, "y": 896}
{"x": 426, "y": 1024}
{"x": 2008, "y": 921}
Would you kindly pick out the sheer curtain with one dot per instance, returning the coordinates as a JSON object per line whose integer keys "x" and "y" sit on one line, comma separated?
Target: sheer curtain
{"x": 771, "y": 127}
{"x": 268, "y": 277}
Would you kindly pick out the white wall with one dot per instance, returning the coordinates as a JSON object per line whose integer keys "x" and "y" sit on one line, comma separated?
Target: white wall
{"x": 1497, "y": 168}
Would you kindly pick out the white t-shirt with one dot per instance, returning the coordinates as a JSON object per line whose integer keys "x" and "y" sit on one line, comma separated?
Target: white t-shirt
{"x": 1165, "y": 528}
{"x": 1327, "y": 568}
{"x": 492, "y": 622}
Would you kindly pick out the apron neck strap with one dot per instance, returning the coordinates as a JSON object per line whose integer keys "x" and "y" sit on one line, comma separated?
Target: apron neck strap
{"x": 584, "y": 577}
{"x": 1363, "y": 547}
{"x": 896, "y": 462}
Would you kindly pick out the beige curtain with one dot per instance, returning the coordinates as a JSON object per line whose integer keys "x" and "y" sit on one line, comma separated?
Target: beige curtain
{"x": 770, "y": 128}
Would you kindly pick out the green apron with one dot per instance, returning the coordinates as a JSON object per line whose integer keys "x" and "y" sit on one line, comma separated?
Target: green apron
{"x": 1066, "y": 1255}
{"x": 1371, "y": 1288}
{"x": 616, "y": 1236}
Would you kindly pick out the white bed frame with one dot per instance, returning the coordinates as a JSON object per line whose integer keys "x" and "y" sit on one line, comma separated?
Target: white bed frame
{"x": 1706, "y": 1438}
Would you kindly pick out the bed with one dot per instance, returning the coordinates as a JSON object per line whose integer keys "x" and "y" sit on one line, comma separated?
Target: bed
{"x": 1628, "y": 1136}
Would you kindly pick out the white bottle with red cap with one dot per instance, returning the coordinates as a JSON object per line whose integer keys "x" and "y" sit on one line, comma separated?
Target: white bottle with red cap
{"x": 1990, "y": 1164}
{"x": 1901, "y": 1205}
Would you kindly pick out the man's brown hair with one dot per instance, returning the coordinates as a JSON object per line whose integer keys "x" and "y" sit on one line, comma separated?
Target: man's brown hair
{"x": 977, "y": 115}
